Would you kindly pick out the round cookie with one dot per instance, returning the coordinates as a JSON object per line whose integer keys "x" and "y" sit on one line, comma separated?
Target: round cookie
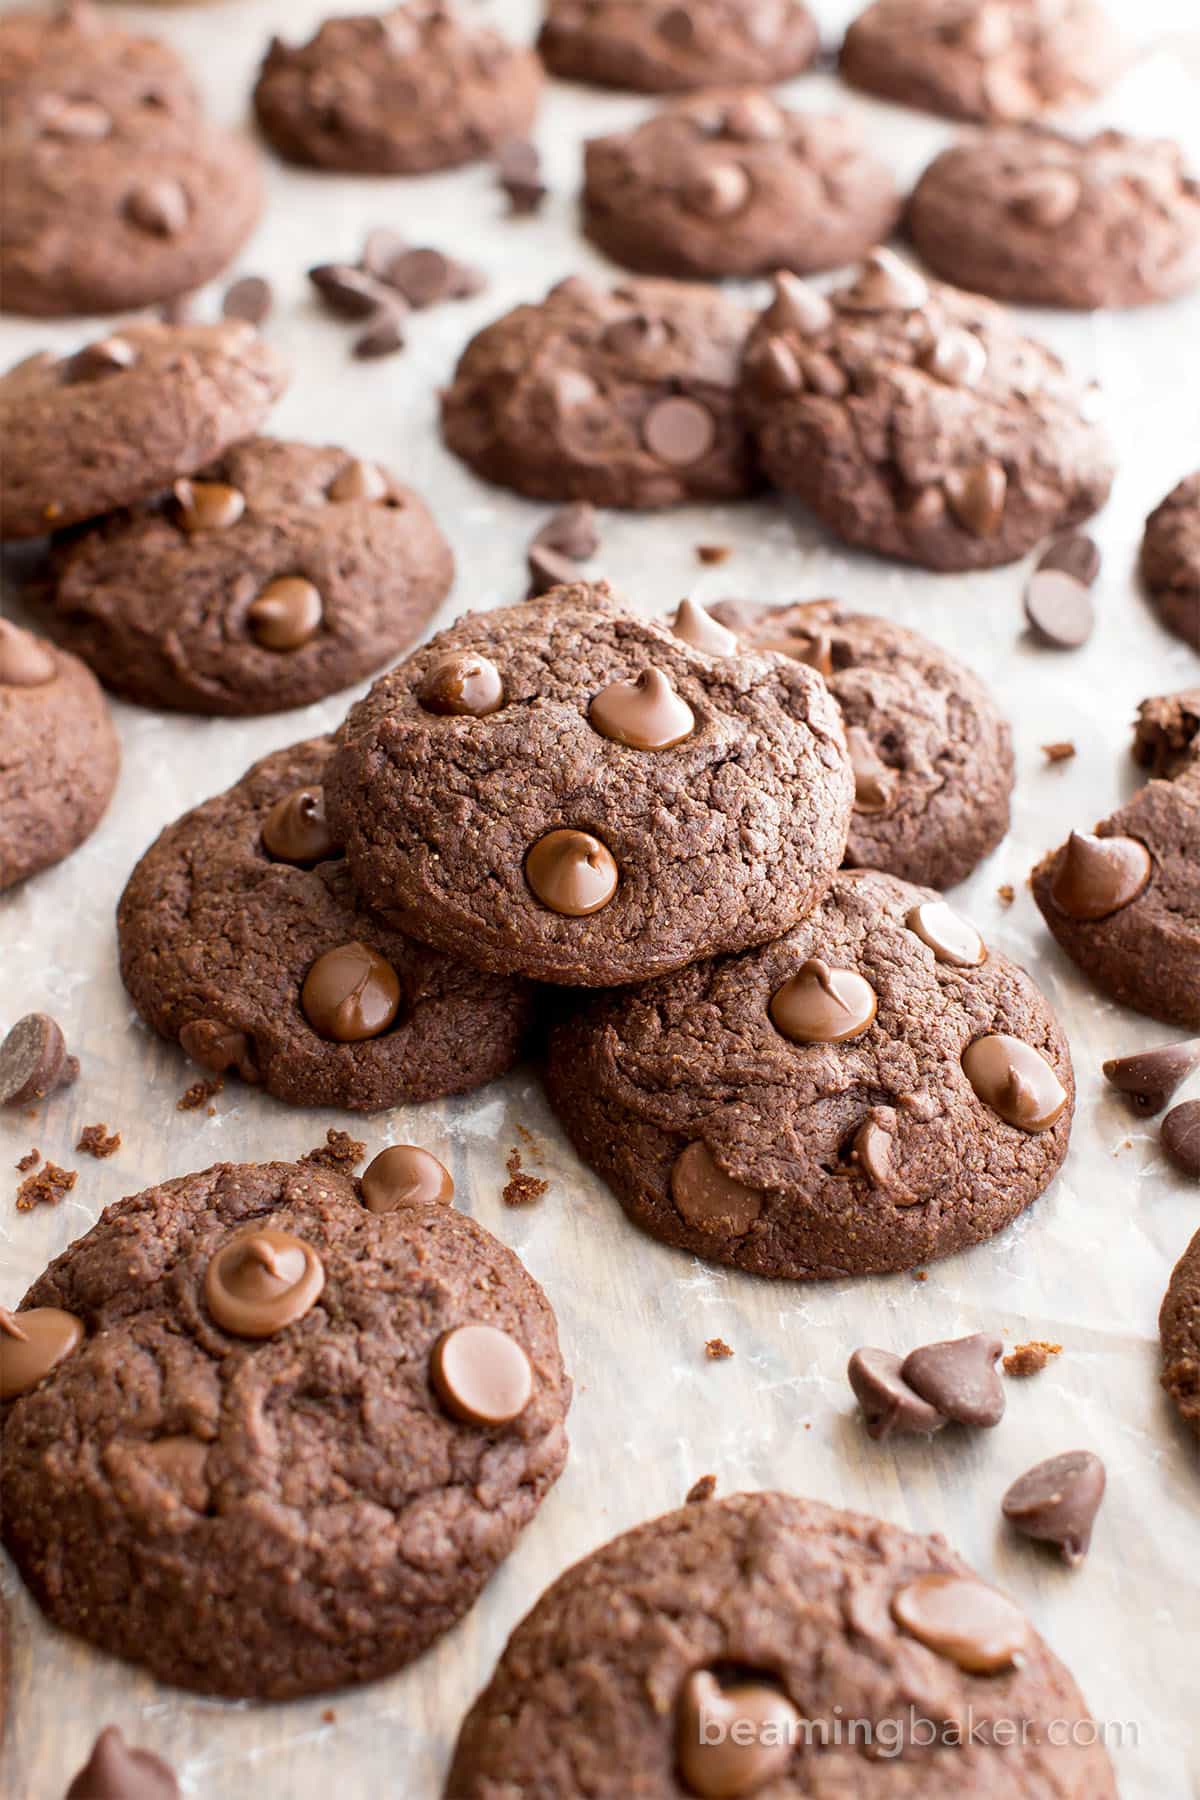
{"x": 723, "y": 1648}
{"x": 566, "y": 791}
{"x": 861, "y": 1096}
{"x": 920, "y": 422}
{"x": 1034, "y": 216}
{"x": 1124, "y": 903}
{"x": 228, "y": 914}
{"x": 659, "y": 48}
{"x": 72, "y": 69}
{"x": 731, "y": 183}
{"x": 420, "y": 87}
{"x": 282, "y": 573}
{"x": 932, "y": 754}
{"x": 984, "y": 59}
{"x": 1179, "y": 1329}
{"x": 247, "y": 1471}
{"x": 1171, "y": 560}
{"x": 126, "y": 416}
{"x": 626, "y": 398}
{"x": 59, "y": 754}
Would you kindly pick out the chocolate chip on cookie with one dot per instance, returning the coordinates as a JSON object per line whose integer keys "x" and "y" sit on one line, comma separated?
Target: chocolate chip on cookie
{"x": 732, "y": 183}
{"x": 1171, "y": 560}
{"x": 630, "y": 803}
{"x": 657, "y": 47}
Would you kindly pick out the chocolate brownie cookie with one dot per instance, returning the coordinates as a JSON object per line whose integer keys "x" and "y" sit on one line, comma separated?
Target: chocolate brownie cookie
{"x": 659, "y": 48}
{"x": 264, "y": 1441}
{"x": 874, "y": 1089}
{"x": 1033, "y": 215}
{"x": 731, "y": 183}
{"x": 1124, "y": 903}
{"x": 563, "y": 790}
{"x": 277, "y": 575}
{"x": 626, "y": 398}
{"x": 242, "y": 937}
{"x": 724, "y": 1648}
{"x": 984, "y": 59}
{"x": 74, "y": 70}
{"x": 125, "y": 416}
{"x": 1171, "y": 560}
{"x": 59, "y": 754}
{"x": 932, "y": 755}
{"x": 1179, "y": 1329}
{"x": 920, "y": 422}
{"x": 422, "y": 86}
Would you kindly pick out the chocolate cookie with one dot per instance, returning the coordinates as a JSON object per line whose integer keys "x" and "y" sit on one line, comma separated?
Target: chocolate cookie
{"x": 625, "y": 398}
{"x": 563, "y": 790}
{"x": 931, "y": 753}
{"x": 920, "y": 422}
{"x": 125, "y": 416}
{"x": 723, "y": 1649}
{"x": 661, "y": 49}
{"x": 264, "y": 1441}
{"x": 281, "y": 573}
{"x": 1171, "y": 560}
{"x": 59, "y": 754}
{"x": 871, "y": 1091}
{"x": 73, "y": 70}
{"x": 984, "y": 59}
{"x": 731, "y": 183}
{"x": 422, "y": 86}
{"x": 242, "y": 937}
{"x": 1124, "y": 903}
{"x": 1033, "y": 215}
{"x": 1179, "y": 1329}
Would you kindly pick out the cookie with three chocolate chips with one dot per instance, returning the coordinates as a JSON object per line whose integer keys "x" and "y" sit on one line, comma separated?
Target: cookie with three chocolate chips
{"x": 1171, "y": 560}
{"x": 732, "y": 183}
{"x": 1179, "y": 1330}
{"x": 242, "y": 938}
{"x": 1124, "y": 901}
{"x": 276, "y": 575}
{"x": 932, "y": 754}
{"x": 921, "y": 422}
{"x": 660, "y": 48}
{"x": 874, "y": 1089}
{"x": 265, "y": 1441}
{"x": 722, "y": 1649}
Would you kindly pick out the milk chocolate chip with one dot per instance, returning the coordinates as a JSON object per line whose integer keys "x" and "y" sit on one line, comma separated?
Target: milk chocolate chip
{"x": 115, "y": 1772}
{"x": 572, "y": 873}
{"x": 32, "y": 1343}
{"x": 218, "y": 1047}
{"x": 1057, "y": 1502}
{"x": 24, "y": 661}
{"x": 820, "y": 1005}
{"x": 755, "y": 1742}
{"x": 948, "y": 935}
{"x": 874, "y": 782}
{"x": 462, "y": 685}
{"x": 1097, "y": 876}
{"x": 481, "y": 1375}
{"x": 359, "y": 481}
{"x": 1150, "y": 1078}
{"x": 958, "y": 1376}
{"x": 679, "y": 431}
{"x": 977, "y": 496}
{"x": 261, "y": 1282}
{"x": 888, "y": 1404}
{"x": 350, "y": 994}
{"x": 972, "y": 1625}
{"x": 645, "y": 713}
{"x": 405, "y": 1175}
{"x": 286, "y": 615}
{"x": 1016, "y": 1081}
{"x": 707, "y": 1198}
{"x": 34, "y": 1061}
{"x": 296, "y": 829}
{"x": 107, "y": 356}
{"x": 699, "y": 629}
{"x": 208, "y": 505}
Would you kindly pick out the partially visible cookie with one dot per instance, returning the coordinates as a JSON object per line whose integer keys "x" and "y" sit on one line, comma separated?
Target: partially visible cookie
{"x": 984, "y": 59}
{"x": 723, "y": 1649}
{"x": 241, "y": 937}
{"x": 626, "y": 398}
{"x": 1124, "y": 903}
{"x": 564, "y": 790}
{"x": 423, "y": 86}
{"x": 732, "y": 183}
{"x": 314, "y": 1430}
{"x": 920, "y": 422}
{"x": 1033, "y": 216}
{"x": 72, "y": 70}
{"x": 931, "y": 752}
{"x": 1171, "y": 560}
{"x": 59, "y": 754}
{"x": 1179, "y": 1329}
{"x": 125, "y": 416}
{"x": 660, "y": 48}
{"x": 874, "y": 1089}
{"x": 280, "y": 573}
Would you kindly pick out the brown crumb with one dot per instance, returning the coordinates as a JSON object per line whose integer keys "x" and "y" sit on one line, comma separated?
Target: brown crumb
{"x": 329, "y": 1717}
{"x": 1030, "y": 1358}
{"x": 199, "y": 1092}
{"x": 704, "y": 1489}
{"x": 714, "y": 553}
{"x": 30, "y": 1160}
{"x": 531, "y": 1143}
{"x": 46, "y": 1188}
{"x": 98, "y": 1141}
{"x": 717, "y": 1350}
{"x": 339, "y": 1151}
{"x": 521, "y": 1189}
{"x": 1007, "y": 892}
{"x": 920, "y": 1275}
{"x": 1056, "y": 753}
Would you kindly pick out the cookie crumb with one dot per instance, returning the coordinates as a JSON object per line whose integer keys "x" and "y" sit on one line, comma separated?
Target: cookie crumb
{"x": 30, "y": 1160}
{"x": 339, "y": 1151}
{"x": 199, "y": 1092}
{"x": 717, "y": 1350}
{"x": 1056, "y": 753}
{"x": 1007, "y": 892}
{"x": 920, "y": 1274}
{"x": 701, "y": 1490}
{"x": 521, "y": 1189}
{"x": 1030, "y": 1358}
{"x": 98, "y": 1141}
{"x": 714, "y": 553}
{"x": 329, "y": 1717}
{"x": 46, "y": 1188}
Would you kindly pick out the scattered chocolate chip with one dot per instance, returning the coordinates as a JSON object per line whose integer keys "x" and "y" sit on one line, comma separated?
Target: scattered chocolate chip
{"x": 481, "y": 1375}
{"x": 296, "y": 829}
{"x": 1057, "y": 1502}
{"x": 159, "y": 206}
{"x": 251, "y": 298}
{"x": 425, "y": 277}
{"x": 1016, "y": 1081}
{"x": 1098, "y": 876}
{"x": 286, "y": 615}
{"x": 32, "y": 1343}
{"x": 1181, "y": 1137}
{"x": 755, "y": 1742}
{"x": 522, "y": 1189}
{"x": 717, "y": 1350}
{"x": 383, "y": 336}
{"x": 1029, "y": 1359}
{"x": 380, "y": 250}
{"x": 350, "y": 994}
{"x": 1059, "y": 609}
{"x": 958, "y": 1377}
{"x": 888, "y": 1403}
{"x": 549, "y": 569}
{"x": 46, "y": 1188}
{"x": 262, "y": 1281}
{"x": 820, "y": 1005}
{"x": 1057, "y": 753}
{"x": 349, "y": 292}
{"x": 208, "y": 505}
{"x": 1077, "y": 555}
{"x": 339, "y": 1151}
{"x": 572, "y": 873}
{"x": 34, "y": 1061}
{"x": 462, "y": 685}
{"x": 970, "y": 1624}
{"x": 98, "y": 1141}
{"x": 518, "y": 172}
{"x": 571, "y": 532}
{"x": 1151, "y": 1077}
{"x": 644, "y": 714}
{"x": 701, "y": 1490}
{"x": 714, "y": 553}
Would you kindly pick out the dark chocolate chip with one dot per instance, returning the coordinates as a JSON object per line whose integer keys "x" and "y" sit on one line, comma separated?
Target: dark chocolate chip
{"x": 349, "y": 292}
{"x": 1059, "y": 609}
{"x": 1057, "y": 1502}
{"x": 34, "y": 1061}
{"x": 251, "y": 299}
{"x": 383, "y": 336}
{"x": 958, "y": 1376}
{"x": 888, "y": 1404}
{"x": 1077, "y": 555}
{"x": 1181, "y": 1137}
{"x": 1149, "y": 1079}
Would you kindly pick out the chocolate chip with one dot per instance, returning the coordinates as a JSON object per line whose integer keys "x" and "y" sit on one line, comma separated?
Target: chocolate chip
{"x": 958, "y": 358}
{"x": 1016, "y": 1081}
{"x": 115, "y": 1772}
{"x": 218, "y": 1047}
{"x": 732, "y": 1741}
{"x": 871, "y": 1151}
{"x": 24, "y": 660}
{"x": 885, "y": 284}
{"x": 676, "y": 25}
{"x": 1150, "y": 1078}
{"x": 34, "y": 1061}
{"x": 549, "y": 569}
{"x": 251, "y": 299}
{"x": 82, "y": 121}
{"x": 481, "y": 1375}
{"x": 380, "y": 250}
{"x": 874, "y": 783}
{"x": 296, "y": 829}
{"x": 1181, "y": 1137}
{"x": 718, "y": 191}
{"x": 32, "y": 1343}
{"x": 347, "y": 291}
{"x": 1098, "y": 876}
{"x": 107, "y": 356}
{"x": 1058, "y": 752}
{"x": 798, "y": 307}
{"x": 1057, "y": 1502}
{"x": 426, "y": 278}
{"x": 977, "y": 495}
{"x": 888, "y": 1404}
{"x": 699, "y": 629}
{"x": 261, "y": 1282}
{"x": 572, "y": 873}
{"x": 350, "y": 994}
{"x": 820, "y": 1005}
{"x": 286, "y": 615}
{"x": 518, "y": 168}
{"x": 462, "y": 685}
{"x": 1059, "y": 609}
{"x": 159, "y": 206}
{"x": 777, "y": 367}
{"x": 405, "y": 1175}
{"x": 645, "y": 713}
{"x": 947, "y": 934}
{"x": 679, "y": 431}
{"x": 208, "y": 505}
{"x": 1076, "y": 555}
{"x": 972, "y": 1625}
{"x": 383, "y": 336}
{"x": 1047, "y": 198}
{"x": 708, "y": 1199}
{"x": 753, "y": 119}
{"x": 572, "y": 532}
{"x": 958, "y": 1376}
{"x": 358, "y": 481}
